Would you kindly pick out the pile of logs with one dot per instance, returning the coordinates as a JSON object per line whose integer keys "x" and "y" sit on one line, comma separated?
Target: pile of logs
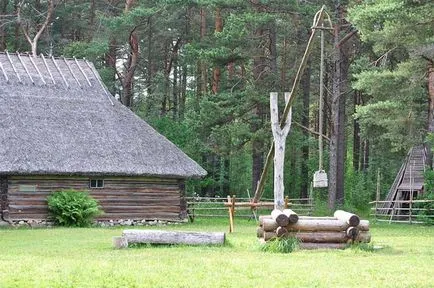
{"x": 314, "y": 232}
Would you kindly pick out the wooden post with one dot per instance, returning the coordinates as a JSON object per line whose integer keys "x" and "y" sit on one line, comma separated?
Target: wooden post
{"x": 231, "y": 202}
{"x": 279, "y": 135}
{"x": 311, "y": 198}
{"x": 377, "y": 198}
{"x": 411, "y": 193}
{"x": 192, "y": 209}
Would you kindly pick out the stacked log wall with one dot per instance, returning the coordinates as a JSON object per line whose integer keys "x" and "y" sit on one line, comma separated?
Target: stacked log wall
{"x": 317, "y": 232}
{"x": 3, "y": 196}
{"x": 121, "y": 197}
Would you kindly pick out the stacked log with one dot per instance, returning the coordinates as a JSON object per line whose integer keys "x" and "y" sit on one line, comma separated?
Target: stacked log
{"x": 168, "y": 237}
{"x": 315, "y": 232}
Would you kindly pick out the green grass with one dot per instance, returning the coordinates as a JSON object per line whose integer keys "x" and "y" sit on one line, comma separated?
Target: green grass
{"x": 83, "y": 257}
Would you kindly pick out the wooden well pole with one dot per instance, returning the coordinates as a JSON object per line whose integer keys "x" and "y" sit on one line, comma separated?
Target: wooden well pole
{"x": 279, "y": 135}
{"x": 318, "y": 19}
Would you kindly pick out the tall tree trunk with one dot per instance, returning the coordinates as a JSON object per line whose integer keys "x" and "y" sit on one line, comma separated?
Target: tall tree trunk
{"x": 216, "y": 70}
{"x": 128, "y": 75}
{"x": 150, "y": 67}
{"x": 166, "y": 81}
{"x": 305, "y": 87}
{"x": 175, "y": 89}
{"x": 17, "y": 42}
{"x": 365, "y": 160}
{"x": 430, "y": 107}
{"x": 337, "y": 137}
{"x": 284, "y": 84}
{"x": 259, "y": 66}
{"x": 110, "y": 61}
{"x": 91, "y": 22}
{"x": 203, "y": 66}
{"x": 127, "y": 78}
{"x": 184, "y": 72}
{"x": 264, "y": 69}
{"x": 431, "y": 96}
{"x": 356, "y": 134}
{"x": 201, "y": 74}
{"x": 183, "y": 92}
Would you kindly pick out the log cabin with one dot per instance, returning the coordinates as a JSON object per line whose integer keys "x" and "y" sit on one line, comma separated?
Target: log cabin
{"x": 60, "y": 128}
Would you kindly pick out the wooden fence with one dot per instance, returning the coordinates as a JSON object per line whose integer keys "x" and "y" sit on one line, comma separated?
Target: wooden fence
{"x": 401, "y": 211}
{"x": 215, "y": 207}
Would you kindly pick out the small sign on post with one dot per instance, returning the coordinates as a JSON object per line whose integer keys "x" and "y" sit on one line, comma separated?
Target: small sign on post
{"x": 320, "y": 179}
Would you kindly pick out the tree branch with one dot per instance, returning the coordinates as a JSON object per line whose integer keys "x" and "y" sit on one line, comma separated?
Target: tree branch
{"x": 310, "y": 130}
{"x": 34, "y": 42}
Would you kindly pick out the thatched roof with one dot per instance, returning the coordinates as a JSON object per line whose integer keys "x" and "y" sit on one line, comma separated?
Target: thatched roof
{"x": 56, "y": 117}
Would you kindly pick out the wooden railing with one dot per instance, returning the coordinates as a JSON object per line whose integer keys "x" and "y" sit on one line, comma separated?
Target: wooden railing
{"x": 215, "y": 207}
{"x": 400, "y": 211}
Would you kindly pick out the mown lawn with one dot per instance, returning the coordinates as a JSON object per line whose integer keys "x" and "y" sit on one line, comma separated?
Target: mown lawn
{"x": 84, "y": 258}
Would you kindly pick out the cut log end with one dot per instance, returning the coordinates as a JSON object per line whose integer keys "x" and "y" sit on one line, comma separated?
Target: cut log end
{"x": 280, "y": 218}
{"x": 120, "y": 242}
{"x": 352, "y": 232}
{"x": 292, "y": 216}
{"x": 281, "y": 231}
{"x": 350, "y": 218}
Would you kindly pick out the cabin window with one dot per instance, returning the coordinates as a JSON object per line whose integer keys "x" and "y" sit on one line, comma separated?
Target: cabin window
{"x": 27, "y": 188}
{"x": 96, "y": 183}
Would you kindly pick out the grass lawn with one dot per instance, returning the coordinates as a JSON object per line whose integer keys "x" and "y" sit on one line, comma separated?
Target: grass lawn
{"x": 84, "y": 258}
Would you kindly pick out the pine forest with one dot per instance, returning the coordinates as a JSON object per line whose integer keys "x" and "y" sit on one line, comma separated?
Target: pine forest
{"x": 201, "y": 72}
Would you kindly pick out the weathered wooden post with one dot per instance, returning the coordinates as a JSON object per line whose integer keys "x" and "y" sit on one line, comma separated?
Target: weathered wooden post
{"x": 231, "y": 209}
{"x": 279, "y": 135}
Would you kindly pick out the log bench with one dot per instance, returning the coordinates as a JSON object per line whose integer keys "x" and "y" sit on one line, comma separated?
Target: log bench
{"x": 168, "y": 237}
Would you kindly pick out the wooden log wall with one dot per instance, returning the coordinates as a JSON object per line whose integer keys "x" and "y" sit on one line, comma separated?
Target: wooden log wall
{"x": 317, "y": 232}
{"x": 121, "y": 198}
{"x": 3, "y": 197}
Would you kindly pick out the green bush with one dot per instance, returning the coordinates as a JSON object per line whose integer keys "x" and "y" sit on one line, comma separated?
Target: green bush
{"x": 73, "y": 208}
{"x": 281, "y": 245}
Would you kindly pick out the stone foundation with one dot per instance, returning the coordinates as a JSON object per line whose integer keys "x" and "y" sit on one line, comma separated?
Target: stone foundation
{"x": 105, "y": 223}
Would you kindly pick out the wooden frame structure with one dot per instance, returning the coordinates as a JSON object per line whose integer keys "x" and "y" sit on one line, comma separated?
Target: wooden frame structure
{"x": 232, "y": 204}
{"x": 398, "y": 211}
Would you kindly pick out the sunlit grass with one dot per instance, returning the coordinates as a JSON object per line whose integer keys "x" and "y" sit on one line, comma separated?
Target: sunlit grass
{"x": 84, "y": 257}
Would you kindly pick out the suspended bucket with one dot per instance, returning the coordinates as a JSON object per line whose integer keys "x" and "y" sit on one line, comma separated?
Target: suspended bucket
{"x": 320, "y": 179}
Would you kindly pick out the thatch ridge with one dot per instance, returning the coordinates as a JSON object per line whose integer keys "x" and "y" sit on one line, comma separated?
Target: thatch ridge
{"x": 51, "y": 125}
